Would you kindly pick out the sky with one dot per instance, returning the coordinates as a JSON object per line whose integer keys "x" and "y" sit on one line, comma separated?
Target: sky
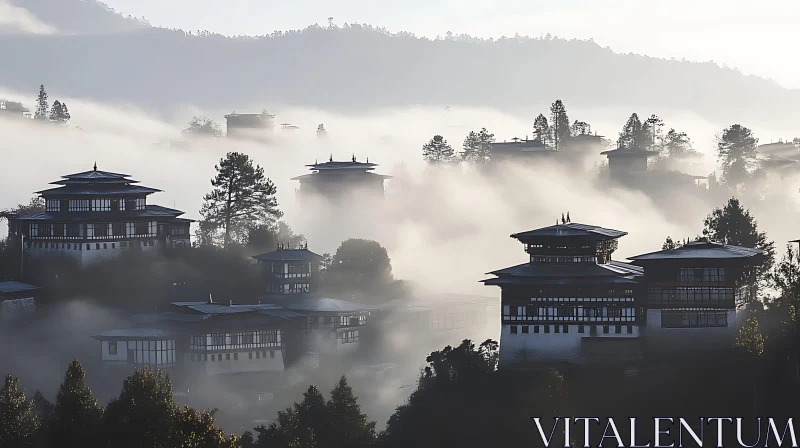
{"x": 758, "y": 37}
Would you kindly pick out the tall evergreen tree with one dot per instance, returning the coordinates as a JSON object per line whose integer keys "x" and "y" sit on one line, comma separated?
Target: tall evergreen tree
{"x": 559, "y": 124}
{"x": 242, "y": 198}
{"x": 477, "y": 148}
{"x": 59, "y": 114}
{"x": 349, "y": 428}
{"x": 677, "y": 144}
{"x": 652, "y": 133}
{"x": 438, "y": 151}
{"x": 737, "y": 149}
{"x": 733, "y": 224}
{"x": 631, "y": 136}
{"x": 77, "y": 417}
{"x": 18, "y": 421}
{"x": 144, "y": 414}
{"x": 42, "y": 106}
{"x": 580, "y": 128}
{"x": 541, "y": 130}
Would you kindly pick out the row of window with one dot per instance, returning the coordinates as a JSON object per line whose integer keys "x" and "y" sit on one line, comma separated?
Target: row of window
{"x": 289, "y": 288}
{"x": 231, "y": 341}
{"x": 93, "y": 230}
{"x": 95, "y": 205}
{"x": 348, "y": 336}
{"x": 690, "y": 295}
{"x": 160, "y": 353}
{"x": 702, "y": 275}
{"x": 585, "y": 299}
{"x": 561, "y": 259}
{"x": 692, "y": 318}
{"x": 97, "y": 246}
{"x": 565, "y": 329}
{"x": 343, "y": 321}
{"x": 569, "y": 313}
{"x": 293, "y": 269}
{"x": 219, "y": 356}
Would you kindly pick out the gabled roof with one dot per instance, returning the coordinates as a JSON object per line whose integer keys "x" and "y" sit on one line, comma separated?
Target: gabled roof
{"x": 6, "y": 287}
{"x": 87, "y": 189}
{"x": 134, "y": 333}
{"x": 317, "y": 305}
{"x": 95, "y": 175}
{"x": 571, "y": 229}
{"x": 629, "y": 152}
{"x": 150, "y": 211}
{"x": 701, "y": 249}
{"x": 570, "y": 273}
{"x": 289, "y": 255}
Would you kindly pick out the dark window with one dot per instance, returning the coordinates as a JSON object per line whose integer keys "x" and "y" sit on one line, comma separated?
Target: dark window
{"x": 605, "y": 329}
{"x": 580, "y": 328}
{"x": 258, "y": 355}
{"x": 525, "y": 329}
{"x": 88, "y": 247}
{"x": 566, "y": 328}
{"x": 250, "y": 355}
{"x": 557, "y": 328}
{"x": 113, "y": 245}
{"x": 235, "y": 356}
{"x": 513, "y": 329}
{"x": 227, "y": 357}
{"x": 112, "y": 348}
{"x": 547, "y": 328}
{"x": 618, "y": 329}
{"x": 630, "y": 329}
{"x": 272, "y": 353}
{"x": 105, "y": 246}
{"x": 97, "y": 246}
{"x": 535, "y": 328}
{"x": 212, "y": 358}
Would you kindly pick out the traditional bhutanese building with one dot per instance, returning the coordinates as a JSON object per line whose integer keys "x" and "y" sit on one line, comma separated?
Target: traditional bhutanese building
{"x": 695, "y": 294}
{"x": 570, "y": 301}
{"x": 97, "y": 215}
{"x": 249, "y": 125}
{"x": 289, "y": 270}
{"x": 623, "y": 162}
{"x": 333, "y": 180}
{"x": 520, "y": 150}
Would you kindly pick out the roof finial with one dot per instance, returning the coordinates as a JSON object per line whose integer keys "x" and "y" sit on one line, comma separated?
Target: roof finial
{"x": 95, "y": 166}
{"x": 331, "y": 158}
{"x": 210, "y": 300}
{"x": 568, "y": 220}
{"x": 354, "y": 157}
{"x": 367, "y": 159}
{"x": 563, "y": 220}
{"x": 316, "y": 161}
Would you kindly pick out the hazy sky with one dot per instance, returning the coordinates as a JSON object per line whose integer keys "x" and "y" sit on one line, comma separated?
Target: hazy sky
{"x": 758, "y": 37}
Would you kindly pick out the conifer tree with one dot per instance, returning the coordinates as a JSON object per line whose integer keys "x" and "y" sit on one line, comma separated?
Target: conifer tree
{"x": 76, "y": 414}
{"x": 677, "y": 144}
{"x": 541, "y": 130}
{"x": 349, "y": 428}
{"x": 559, "y": 124}
{"x": 42, "y": 106}
{"x": 438, "y": 151}
{"x": 18, "y": 421}
{"x": 651, "y": 133}
{"x": 737, "y": 150}
{"x": 59, "y": 113}
{"x": 477, "y": 148}
{"x": 631, "y": 136}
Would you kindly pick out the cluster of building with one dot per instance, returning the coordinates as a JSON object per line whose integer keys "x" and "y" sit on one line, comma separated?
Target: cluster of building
{"x": 572, "y": 303}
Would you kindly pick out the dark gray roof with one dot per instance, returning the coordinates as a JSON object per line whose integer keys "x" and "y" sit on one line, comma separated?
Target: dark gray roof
{"x": 134, "y": 333}
{"x": 319, "y": 305}
{"x": 16, "y": 287}
{"x": 167, "y": 316}
{"x": 317, "y": 175}
{"x": 502, "y": 281}
{"x": 531, "y": 270}
{"x": 289, "y": 255}
{"x": 629, "y": 152}
{"x": 521, "y": 146}
{"x": 701, "y": 249}
{"x": 214, "y": 309}
{"x": 95, "y": 175}
{"x": 349, "y": 165}
{"x": 571, "y": 229}
{"x": 86, "y": 189}
{"x": 150, "y": 211}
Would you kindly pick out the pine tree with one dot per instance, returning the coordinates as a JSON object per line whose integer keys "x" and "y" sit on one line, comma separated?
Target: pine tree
{"x": 42, "y": 106}
{"x": 631, "y": 136}
{"x": 144, "y": 414}
{"x": 348, "y": 426}
{"x": 321, "y": 132}
{"x": 541, "y": 130}
{"x": 438, "y": 151}
{"x": 18, "y": 421}
{"x": 580, "y": 128}
{"x": 651, "y": 133}
{"x": 677, "y": 144}
{"x": 477, "y": 148}
{"x": 559, "y": 124}
{"x": 203, "y": 127}
{"x": 76, "y": 414}
{"x": 312, "y": 413}
{"x": 737, "y": 150}
{"x": 242, "y": 199}
{"x": 59, "y": 114}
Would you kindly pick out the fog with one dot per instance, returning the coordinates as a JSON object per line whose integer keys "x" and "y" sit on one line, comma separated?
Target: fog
{"x": 444, "y": 228}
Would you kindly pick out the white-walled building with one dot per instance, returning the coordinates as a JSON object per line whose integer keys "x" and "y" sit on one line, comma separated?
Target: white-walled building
{"x": 97, "y": 215}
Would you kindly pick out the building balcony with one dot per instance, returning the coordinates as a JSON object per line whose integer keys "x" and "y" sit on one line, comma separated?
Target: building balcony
{"x": 97, "y": 238}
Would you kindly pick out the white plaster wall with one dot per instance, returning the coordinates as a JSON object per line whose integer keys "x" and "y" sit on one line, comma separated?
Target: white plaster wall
{"x": 694, "y": 339}
{"x": 93, "y": 255}
{"x": 18, "y": 308}
{"x": 241, "y": 365}
{"x": 122, "y": 351}
{"x": 566, "y": 347}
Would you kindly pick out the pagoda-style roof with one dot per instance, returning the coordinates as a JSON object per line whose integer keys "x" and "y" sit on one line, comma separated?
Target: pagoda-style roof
{"x": 94, "y": 182}
{"x": 571, "y": 273}
{"x": 336, "y": 167}
{"x": 150, "y": 211}
{"x": 316, "y": 305}
{"x": 285, "y": 254}
{"x": 701, "y": 249}
{"x": 629, "y": 153}
{"x": 570, "y": 229}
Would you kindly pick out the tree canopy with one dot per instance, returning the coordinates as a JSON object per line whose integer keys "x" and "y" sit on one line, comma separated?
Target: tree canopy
{"x": 18, "y": 421}
{"x": 477, "y": 147}
{"x": 737, "y": 151}
{"x": 242, "y": 199}
{"x": 359, "y": 265}
{"x": 76, "y": 415}
{"x": 559, "y": 124}
{"x": 437, "y": 151}
{"x": 733, "y": 224}
{"x": 203, "y": 126}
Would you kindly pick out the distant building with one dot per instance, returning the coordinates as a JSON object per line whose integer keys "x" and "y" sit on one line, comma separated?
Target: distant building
{"x": 570, "y": 302}
{"x": 96, "y": 215}
{"x": 781, "y": 157}
{"x": 520, "y": 150}
{"x": 14, "y": 109}
{"x": 289, "y": 271}
{"x": 696, "y": 293}
{"x": 623, "y": 163}
{"x": 249, "y": 125}
{"x": 17, "y": 300}
{"x": 332, "y": 180}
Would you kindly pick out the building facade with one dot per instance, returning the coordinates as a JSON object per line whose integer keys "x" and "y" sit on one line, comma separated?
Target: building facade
{"x": 97, "y": 215}
{"x": 570, "y": 301}
{"x": 334, "y": 180}
{"x": 249, "y": 125}
{"x": 624, "y": 163}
